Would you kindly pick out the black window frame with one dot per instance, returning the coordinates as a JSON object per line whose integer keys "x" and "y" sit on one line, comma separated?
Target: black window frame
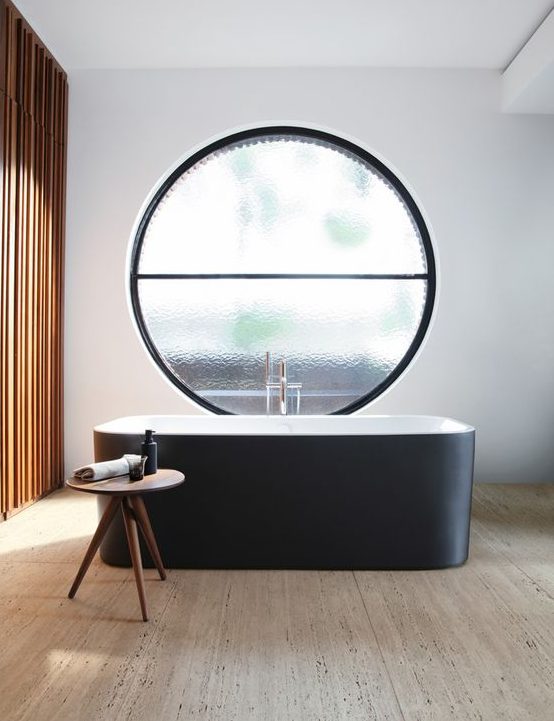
{"x": 376, "y": 164}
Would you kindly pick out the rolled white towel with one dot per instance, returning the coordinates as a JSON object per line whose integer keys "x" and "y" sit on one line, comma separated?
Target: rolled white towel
{"x": 105, "y": 469}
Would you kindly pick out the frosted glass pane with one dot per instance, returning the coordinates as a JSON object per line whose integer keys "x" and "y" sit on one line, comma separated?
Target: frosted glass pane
{"x": 282, "y": 204}
{"x": 341, "y": 338}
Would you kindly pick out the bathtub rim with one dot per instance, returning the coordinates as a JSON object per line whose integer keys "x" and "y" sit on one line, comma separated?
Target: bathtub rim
{"x": 276, "y": 425}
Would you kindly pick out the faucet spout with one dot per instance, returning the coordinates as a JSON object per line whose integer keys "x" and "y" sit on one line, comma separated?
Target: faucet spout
{"x": 268, "y": 367}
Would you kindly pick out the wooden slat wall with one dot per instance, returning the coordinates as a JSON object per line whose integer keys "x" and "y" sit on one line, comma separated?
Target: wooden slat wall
{"x": 33, "y": 135}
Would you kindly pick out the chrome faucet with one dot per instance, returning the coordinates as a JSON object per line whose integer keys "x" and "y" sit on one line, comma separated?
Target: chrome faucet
{"x": 280, "y": 384}
{"x": 268, "y": 368}
{"x": 283, "y": 387}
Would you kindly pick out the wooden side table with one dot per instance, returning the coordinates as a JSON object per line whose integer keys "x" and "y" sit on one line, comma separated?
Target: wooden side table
{"x": 127, "y": 495}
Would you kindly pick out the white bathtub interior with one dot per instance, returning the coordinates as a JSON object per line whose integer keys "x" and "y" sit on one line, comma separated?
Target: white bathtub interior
{"x": 282, "y": 425}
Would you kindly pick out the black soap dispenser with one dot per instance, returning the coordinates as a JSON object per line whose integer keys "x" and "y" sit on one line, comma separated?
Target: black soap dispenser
{"x": 149, "y": 449}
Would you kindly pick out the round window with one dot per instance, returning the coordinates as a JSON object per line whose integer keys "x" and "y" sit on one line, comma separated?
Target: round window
{"x": 289, "y": 242}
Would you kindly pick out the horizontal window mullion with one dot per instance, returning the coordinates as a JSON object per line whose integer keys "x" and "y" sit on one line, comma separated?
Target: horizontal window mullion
{"x": 281, "y": 276}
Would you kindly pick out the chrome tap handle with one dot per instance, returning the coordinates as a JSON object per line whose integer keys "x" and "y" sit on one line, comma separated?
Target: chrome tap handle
{"x": 268, "y": 380}
{"x": 283, "y": 387}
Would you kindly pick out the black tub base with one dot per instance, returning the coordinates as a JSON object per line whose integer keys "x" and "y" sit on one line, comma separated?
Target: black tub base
{"x": 305, "y": 502}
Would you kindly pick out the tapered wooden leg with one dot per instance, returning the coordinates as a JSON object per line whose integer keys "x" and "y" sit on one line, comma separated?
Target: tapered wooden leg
{"x": 143, "y": 521}
{"x": 105, "y": 521}
{"x": 134, "y": 550}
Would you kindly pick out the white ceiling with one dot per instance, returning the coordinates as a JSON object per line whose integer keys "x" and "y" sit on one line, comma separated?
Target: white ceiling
{"x": 257, "y": 33}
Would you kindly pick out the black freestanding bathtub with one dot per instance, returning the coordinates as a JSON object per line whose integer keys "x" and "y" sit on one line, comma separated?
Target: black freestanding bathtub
{"x": 310, "y": 492}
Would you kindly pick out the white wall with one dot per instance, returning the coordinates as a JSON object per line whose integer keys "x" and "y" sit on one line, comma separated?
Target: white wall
{"x": 485, "y": 182}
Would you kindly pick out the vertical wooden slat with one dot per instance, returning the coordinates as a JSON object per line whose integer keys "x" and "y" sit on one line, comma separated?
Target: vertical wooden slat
{"x": 39, "y": 173}
{"x": 4, "y": 475}
{"x": 12, "y": 498}
{"x": 30, "y": 314}
{"x": 33, "y": 133}
{"x": 60, "y": 235}
{"x": 48, "y": 171}
{"x": 20, "y": 299}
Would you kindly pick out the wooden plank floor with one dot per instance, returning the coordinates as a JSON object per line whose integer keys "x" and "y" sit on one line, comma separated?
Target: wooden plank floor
{"x": 475, "y": 642}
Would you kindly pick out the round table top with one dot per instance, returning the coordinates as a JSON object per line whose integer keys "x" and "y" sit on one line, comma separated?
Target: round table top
{"x": 164, "y": 479}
